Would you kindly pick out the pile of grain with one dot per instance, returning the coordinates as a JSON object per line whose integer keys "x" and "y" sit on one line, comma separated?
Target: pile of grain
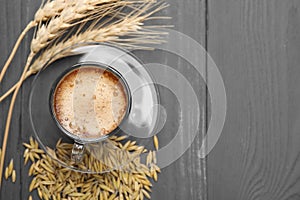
{"x": 53, "y": 181}
{"x": 10, "y": 171}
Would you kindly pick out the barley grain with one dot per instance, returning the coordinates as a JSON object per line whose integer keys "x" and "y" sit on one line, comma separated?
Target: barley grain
{"x": 28, "y": 146}
{"x": 32, "y": 184}
{"x": 14, "y": 176}
{"x": 141, "y": 195}
{"x": 112, "y": 196}
{"x": 76, "y": 194}
{"x": 47, "y": 182}
{"x": 118, "y": 139}
{"x": 104, "y": 187}
{"x": 154, "y": 159}
{"x": 10, "y": 167}
{"x": 6, "y": 174}
{"x": 154, "y": 176}
{"x": 149, "y": 158}
{"x": 155, "y": 142}
{"x": 147, "y": 188}
{"x": 156, "y": 168}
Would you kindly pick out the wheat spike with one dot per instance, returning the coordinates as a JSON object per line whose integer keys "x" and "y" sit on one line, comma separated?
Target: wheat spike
{"x": 45, "y": 12}
{"x": 110, "y": 34}
{"x": 75, "y": 13}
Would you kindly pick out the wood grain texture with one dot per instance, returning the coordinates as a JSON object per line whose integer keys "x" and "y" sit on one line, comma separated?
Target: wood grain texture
{"x": 256, "y": 47}
{"x": 9, "y": 32}
{"x": 185, "y": 178}
{"x": 28, "y": 9}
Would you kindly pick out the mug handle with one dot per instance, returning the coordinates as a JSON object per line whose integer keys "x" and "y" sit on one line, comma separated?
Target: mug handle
{"x": 77, "y": 152}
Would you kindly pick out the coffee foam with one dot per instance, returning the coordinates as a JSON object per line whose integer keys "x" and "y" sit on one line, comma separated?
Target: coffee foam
{"x": 89, "y": 102}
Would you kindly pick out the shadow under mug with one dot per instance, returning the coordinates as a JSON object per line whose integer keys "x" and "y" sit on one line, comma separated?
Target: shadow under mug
{"x": 79, "y": 142}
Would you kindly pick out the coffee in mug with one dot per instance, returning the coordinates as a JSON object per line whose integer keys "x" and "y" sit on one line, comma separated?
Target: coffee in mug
{"x": 89, "y": 102}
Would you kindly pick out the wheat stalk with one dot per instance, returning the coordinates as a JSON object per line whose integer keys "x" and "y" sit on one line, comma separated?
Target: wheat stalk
{"x": 60, "y": 14}
{"x": 110, "y": 30}
{"x": 45, "y": 12}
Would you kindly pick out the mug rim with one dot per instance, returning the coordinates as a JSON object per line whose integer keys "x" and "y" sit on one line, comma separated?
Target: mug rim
{"x": 104, "y": 67}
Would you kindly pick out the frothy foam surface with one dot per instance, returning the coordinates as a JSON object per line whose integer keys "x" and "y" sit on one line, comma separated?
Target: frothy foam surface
{"x": 89, "y": 102}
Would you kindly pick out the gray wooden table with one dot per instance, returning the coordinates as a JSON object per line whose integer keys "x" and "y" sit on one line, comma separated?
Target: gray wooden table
{"x": 256, "y": 45}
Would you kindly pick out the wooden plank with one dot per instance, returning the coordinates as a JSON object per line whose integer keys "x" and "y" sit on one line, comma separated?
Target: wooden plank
{"x": 29, "y": 7}
{"x": 256, "y": 46}
{"x": 186, "y": 177}
{"x": 10, "y": 24}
